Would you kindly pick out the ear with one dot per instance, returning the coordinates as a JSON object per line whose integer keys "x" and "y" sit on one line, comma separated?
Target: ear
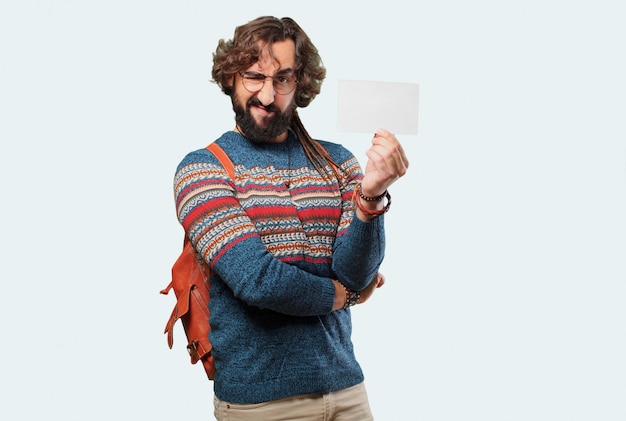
{"x": 231, "y": 82}
{"x": 228, "y": 86}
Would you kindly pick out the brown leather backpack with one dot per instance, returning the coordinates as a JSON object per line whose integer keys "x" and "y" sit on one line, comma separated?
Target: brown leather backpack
{"x": 190, "y": 280}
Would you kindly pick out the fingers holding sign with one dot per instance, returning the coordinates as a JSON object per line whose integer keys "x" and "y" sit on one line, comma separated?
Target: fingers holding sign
{"x": 387, "y": 162}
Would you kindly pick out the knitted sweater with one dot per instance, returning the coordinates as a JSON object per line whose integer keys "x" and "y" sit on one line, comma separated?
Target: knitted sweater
{"x": 275, "y": 236}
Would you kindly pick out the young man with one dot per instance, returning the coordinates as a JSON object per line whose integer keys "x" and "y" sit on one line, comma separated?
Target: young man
{"x": 294, "y": 240}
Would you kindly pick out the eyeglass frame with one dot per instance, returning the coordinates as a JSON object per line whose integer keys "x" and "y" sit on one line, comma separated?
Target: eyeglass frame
{"x": 283, "y": 73}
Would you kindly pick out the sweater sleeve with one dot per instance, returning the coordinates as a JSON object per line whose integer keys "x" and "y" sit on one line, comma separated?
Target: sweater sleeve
{"x": 359, "y": 248}
{"x": 227, "y": 240}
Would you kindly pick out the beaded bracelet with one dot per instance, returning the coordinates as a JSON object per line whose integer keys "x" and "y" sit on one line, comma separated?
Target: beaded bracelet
{"x": 370, "y": 199}
{"x": 352, "y": 297}
{"x": 356, "y": 197}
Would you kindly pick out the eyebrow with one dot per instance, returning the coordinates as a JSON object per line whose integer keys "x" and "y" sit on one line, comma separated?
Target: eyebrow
{"x": 283, "y": 71}
{"x": 287, "y": 70}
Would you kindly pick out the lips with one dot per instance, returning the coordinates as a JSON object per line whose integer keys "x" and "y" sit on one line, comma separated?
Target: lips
{"x": 263, "y": 110}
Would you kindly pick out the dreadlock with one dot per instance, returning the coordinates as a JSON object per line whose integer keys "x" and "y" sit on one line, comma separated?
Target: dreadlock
{"x": 318, "y": 156}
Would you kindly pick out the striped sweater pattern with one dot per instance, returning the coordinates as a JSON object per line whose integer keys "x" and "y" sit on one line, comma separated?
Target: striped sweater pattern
{"x": 275, "y": 236}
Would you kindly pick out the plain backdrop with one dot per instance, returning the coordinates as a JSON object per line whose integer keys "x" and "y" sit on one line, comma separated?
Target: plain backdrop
{"x": 506, "y": 241}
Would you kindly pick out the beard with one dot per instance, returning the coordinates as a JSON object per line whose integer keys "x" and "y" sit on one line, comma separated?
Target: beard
{"x": 270, "y": 127}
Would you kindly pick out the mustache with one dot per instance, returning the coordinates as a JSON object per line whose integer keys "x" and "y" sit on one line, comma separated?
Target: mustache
{"x": 271, "y": 108}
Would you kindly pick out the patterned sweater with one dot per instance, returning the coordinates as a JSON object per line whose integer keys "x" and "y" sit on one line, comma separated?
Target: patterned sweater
{"x": 275, "y": 236}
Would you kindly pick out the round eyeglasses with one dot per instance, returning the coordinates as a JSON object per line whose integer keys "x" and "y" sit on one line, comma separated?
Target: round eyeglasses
{"x": 283, "y": 83}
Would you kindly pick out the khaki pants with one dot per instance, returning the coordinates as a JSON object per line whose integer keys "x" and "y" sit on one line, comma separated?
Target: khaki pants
{"x": 349, "y": 404}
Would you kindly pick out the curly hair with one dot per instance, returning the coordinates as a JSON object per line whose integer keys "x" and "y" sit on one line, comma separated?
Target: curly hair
{"x": 241, "y": 52}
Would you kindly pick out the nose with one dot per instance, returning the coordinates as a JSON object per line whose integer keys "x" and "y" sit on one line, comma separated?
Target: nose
{"x": 267, "y": 92}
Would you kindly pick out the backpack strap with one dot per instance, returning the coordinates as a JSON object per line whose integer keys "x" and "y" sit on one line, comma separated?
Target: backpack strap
{"x": 223, "y": 158}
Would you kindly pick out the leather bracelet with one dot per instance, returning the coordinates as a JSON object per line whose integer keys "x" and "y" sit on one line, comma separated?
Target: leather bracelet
{"x": 368, "y": 198}
{"x": 357, "y": 199}
{"x": 352, "y": 297}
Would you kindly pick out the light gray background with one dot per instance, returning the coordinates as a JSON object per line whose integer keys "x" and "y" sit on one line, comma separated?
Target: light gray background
{"x": 505, "y": 266}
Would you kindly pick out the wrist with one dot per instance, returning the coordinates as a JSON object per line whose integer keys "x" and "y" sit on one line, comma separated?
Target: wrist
{"x": 370, "y": 198}
{"x": 344, "y": 297}
{"x": 371, "y": 206}
{"x": 352, "y": 297}
{"x": 340, "y": 296}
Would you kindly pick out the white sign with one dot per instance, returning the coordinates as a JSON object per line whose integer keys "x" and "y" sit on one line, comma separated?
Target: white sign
{"x": 364, "y": 106}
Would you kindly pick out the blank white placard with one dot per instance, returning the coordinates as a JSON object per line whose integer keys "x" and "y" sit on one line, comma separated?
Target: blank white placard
{"x": 364, "y": 106}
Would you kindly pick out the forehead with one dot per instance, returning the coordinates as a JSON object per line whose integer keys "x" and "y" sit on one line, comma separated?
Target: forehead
{"x": 281, "y": 56}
